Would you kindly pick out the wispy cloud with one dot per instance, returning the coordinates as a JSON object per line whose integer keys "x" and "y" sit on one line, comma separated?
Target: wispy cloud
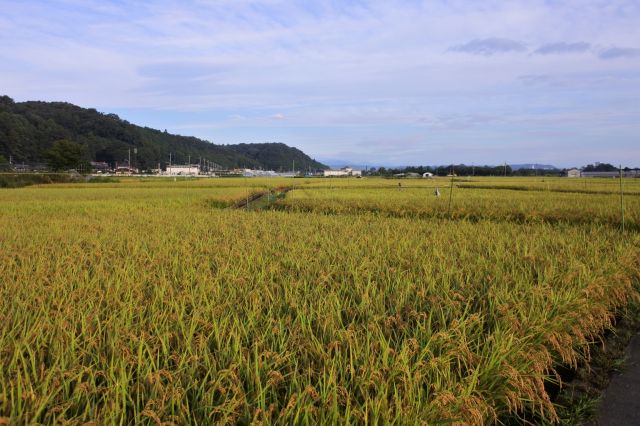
{"x": 535, "y": 79}
{"x": 619, "y": 52}
{"x": 563, "y": 48}
{"x": 489, "y": 46}
{"x": 182, "y": 70}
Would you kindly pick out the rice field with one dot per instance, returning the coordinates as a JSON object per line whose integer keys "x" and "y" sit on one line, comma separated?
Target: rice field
{"x": 468, "y": 202}
{"x": 348, "y": 301}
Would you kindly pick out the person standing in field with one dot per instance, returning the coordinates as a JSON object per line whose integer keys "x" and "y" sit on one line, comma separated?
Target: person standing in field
{"x": 437, "y": 192}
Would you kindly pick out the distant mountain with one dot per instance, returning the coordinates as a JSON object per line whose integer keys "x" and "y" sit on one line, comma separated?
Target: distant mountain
{"x": 533, "y": 166}
{"x": 277, "y": 156}
{"x": 29, "y": 129}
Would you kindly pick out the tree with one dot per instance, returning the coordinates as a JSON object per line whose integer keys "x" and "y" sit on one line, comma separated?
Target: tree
{"x": 4, "y": 164}
{"x": 600, "y": 167}
{"x": 65, "y": 154}
{"x": 5, "y": 100}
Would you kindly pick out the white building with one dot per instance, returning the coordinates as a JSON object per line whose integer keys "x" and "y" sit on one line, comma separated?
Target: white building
{"x": 345, "y": 171}
{"x": 263, "y": 173}
{"x": 427, "y": 175}
{"x": 183, "y": 170}
{"x": 573, "y": 173}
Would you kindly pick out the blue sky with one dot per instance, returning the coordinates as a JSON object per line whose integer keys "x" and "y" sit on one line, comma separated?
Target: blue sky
{"x": 372, "y": 82}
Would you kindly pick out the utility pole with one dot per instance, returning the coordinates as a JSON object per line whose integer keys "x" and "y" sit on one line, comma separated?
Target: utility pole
{"x": 450, "y": 194}
{"x": 294, "y": 167}
{"x": 621, "y": 199}
{"x": 246, "y": 185}
{"x": 505, "y": 169}
{"x": 129, "y": 159}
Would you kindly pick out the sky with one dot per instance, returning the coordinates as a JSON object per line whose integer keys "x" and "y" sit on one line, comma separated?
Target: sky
{"x": 369, "y": 82}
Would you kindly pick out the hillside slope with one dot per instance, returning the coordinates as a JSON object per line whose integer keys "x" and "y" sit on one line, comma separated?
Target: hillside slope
{"x": 29, "y": 129}
{"x": 277, "y": 156}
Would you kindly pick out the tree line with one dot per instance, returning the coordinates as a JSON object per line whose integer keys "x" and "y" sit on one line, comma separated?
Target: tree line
{"x": 459, "y": 170}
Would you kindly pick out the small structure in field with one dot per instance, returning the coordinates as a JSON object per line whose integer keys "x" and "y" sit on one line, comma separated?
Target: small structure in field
{"x": 345, "y": 171}
{"x": 573, "y": 173}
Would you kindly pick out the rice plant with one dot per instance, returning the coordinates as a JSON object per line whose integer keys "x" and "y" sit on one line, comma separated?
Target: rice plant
{"x": 138, "y": 302}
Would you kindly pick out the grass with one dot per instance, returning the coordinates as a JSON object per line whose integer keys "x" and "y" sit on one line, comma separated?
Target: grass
{"x": 18, "y": 180}
{"x": 137, "y": 302}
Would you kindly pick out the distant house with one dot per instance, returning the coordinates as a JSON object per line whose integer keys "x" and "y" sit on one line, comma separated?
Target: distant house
{"x": 573, "y": 173}
{"x": 31, "y": 167}
{"x": 345, "y": 171}
{"x": 100, "y": 167}
{"x": 125, "y": 170}
{"x": 625, "y": 173}
{"x": 427, "y": 175}
{"x": 407, "y": 175}
{"x": 600, "y": 174}
{"x": 22, "y": 167}
{"x": 183, "y": 170}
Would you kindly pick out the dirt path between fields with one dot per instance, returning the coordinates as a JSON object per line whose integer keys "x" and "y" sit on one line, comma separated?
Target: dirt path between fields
{"x": 621, "y": 400}
{"x": 260, "y": 200}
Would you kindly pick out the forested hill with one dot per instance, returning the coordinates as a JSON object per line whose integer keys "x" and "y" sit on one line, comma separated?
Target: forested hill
{"x": 277, "y": 156}
{"x": 28, "y": 130}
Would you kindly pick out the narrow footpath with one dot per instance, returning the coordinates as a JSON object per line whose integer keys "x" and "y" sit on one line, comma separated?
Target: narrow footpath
{"x": 620, "y": 404}
{"x": 262, "y": 200}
